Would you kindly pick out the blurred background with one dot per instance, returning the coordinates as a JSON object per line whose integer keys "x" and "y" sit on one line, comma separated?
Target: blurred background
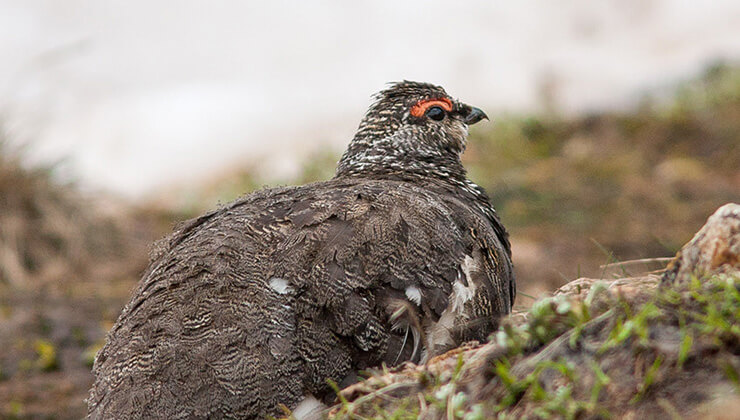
{"x": 615, "y": 133}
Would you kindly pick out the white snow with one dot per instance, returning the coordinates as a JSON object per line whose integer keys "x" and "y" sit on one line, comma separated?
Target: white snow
{"x": 141, "y": 95}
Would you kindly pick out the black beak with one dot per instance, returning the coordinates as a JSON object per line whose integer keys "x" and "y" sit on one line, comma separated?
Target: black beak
{"x": 474, "y": 115}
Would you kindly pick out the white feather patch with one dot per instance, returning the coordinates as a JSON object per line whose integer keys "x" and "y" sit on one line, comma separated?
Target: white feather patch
{"x": 309, "y": 409}
{"x": 280, "y": 285}
{"x": 438, "y": 335}
{"x": 460, "y": 292}
{"x": 414, "y": 294}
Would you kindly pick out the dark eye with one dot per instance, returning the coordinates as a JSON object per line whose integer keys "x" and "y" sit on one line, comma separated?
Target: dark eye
{"x": 436, "y": 113}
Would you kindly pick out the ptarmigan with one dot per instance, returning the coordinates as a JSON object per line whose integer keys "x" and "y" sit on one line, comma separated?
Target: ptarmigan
{"x": 261, "y": 302}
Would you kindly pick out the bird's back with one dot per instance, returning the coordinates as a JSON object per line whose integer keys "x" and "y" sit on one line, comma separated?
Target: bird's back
{"x": 260, "y": 302}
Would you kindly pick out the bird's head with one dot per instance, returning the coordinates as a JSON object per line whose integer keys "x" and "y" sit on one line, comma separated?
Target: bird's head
{"x": 410, "y": 124}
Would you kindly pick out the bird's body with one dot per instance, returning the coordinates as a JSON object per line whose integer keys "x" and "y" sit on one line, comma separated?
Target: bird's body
{"x": 259, "y": 303}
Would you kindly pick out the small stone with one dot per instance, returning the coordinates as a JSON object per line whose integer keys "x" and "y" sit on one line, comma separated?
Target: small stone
{"x": 714, "y": 249}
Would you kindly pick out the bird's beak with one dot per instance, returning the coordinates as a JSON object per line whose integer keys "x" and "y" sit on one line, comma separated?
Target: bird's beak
{"x": 474, "y": 115}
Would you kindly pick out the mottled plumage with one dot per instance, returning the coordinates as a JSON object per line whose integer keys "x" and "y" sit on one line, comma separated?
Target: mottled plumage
{"x": 398, "y": 257}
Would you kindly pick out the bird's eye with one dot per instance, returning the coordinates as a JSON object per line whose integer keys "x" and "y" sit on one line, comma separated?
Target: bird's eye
{"x": 436, "y": 113}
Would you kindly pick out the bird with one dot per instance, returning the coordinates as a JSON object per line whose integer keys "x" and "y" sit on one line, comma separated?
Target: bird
{"x": 260, "y": 305}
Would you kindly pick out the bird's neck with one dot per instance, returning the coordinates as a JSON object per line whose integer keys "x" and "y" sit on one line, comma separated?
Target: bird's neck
{"x": 392, "y": 159}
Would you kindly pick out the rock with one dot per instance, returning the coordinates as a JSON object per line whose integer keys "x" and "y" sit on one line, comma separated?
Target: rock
{"x": 714, "y": 249}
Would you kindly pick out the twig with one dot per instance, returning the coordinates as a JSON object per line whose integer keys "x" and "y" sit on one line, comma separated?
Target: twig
{"x": 635, "y": 262}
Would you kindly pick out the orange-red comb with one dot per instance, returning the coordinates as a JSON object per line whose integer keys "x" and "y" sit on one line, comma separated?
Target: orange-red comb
{"x": 421, "y": 107}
